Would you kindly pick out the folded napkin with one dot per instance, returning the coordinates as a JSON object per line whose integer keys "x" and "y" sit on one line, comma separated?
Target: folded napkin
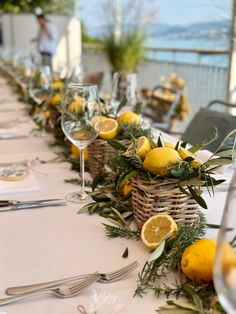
{"x": 204, "y": 155}
{"x": 27, "y": 185}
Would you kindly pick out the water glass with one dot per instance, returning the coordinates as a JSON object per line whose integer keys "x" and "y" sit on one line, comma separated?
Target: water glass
{"x": 225, "y": 259}
{"x": 124, "y": 86}
{"x": 81, "y": 122}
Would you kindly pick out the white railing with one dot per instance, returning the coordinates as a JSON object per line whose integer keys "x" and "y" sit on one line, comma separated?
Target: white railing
{"x": 204, "y": 82}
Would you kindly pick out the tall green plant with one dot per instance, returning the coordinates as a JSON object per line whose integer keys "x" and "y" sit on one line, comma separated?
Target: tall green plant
{"x": 127, "y": 54}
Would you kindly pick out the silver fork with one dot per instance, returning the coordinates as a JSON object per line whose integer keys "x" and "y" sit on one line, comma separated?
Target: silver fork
{"x": 104, "y": 277}
{"x": 63, "y": 292}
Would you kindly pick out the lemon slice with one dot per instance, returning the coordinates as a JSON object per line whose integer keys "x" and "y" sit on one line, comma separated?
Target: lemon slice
{"x": 156, "y": 229}
{"x": 143, "y": 146}
{"x": 184, "y": 153}
{"x": 109, "y": 128}
{"x": 129, "y": 118}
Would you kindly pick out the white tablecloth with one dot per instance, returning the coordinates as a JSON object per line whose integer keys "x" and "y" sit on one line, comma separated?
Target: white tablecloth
{"x": 51, "y": 243}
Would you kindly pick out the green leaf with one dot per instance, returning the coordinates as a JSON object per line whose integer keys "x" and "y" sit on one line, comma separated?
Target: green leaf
{"x": 98, "y": 179}
{"x": 197, "y": 197}
{"x": 160, "y": 141}
{"x": 138, "y": 107}
{"x": 182, "y": 304}
{"x": 117, "y": 145}
{"x": 126, "y": 177}
{"x": 177, "y": 146}
{"x": 157, "y": 252}
{"x": 184, "y": 144}
{"x": 126, "y": 253}
{"x": 121, "y": 105}
{"x": 218, "y": 161}
{"x": 189, "y": 159}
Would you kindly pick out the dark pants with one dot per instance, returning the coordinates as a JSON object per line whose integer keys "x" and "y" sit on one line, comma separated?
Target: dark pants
{"x": 46, "y": 59}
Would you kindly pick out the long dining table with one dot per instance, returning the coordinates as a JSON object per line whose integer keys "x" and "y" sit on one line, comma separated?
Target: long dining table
{"x": 54, "y": 242}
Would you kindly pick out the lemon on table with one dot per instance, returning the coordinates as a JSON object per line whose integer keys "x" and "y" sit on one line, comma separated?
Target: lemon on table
{"x": 184, "y": 153}
{"x": 159, "y": 159}
{"x": 143, "y": 146}
{"x": 197, "y": 260}
{"x": 109, "y": 128}
{"x": 129, "y": 118}
{"x": 156, "y": 229}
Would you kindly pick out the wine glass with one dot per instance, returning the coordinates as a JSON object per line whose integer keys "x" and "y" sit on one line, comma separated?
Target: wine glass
{"x": 81, "y": 121}
{"x": 124, "y": 86}
{"x": 225, "y": 259}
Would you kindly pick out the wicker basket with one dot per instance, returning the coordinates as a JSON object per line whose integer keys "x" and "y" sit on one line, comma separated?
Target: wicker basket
{"x": 99, "y": 152}
{"x": 164, "y": 196}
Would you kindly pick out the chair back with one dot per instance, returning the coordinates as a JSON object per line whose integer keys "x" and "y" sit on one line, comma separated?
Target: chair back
{"x": 161, "y": 106}
{"x": 206, "y": 120}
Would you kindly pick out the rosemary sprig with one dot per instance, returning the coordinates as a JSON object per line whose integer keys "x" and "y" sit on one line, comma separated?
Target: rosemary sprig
{"x": 78, "y": 182}
{"x": 122, "y": 232}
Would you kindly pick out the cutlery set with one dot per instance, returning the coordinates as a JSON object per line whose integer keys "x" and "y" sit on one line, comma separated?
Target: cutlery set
{"x": 22, "y": 292}
{"x": 6, "y": 205}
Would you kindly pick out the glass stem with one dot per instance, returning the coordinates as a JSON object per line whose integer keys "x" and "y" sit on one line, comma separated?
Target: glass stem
{"x": 82, "y": 169}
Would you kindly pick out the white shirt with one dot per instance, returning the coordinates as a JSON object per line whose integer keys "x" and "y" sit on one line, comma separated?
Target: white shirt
{"x": 45, "y": 43}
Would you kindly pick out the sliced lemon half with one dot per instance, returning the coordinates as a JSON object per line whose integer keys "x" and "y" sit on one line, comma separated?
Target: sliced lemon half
{"x": 143, "y": 146}
{"x": 184, "y": 153}
{"x": 109, "y": 128}
{"x": 156, "y": 229}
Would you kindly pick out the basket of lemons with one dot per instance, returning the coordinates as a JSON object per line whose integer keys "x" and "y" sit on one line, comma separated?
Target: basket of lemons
{"x": 121, "y": 128}
{"x": 165, "y": 179}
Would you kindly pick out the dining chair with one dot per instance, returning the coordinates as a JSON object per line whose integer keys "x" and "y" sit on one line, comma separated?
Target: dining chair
{"x": 206, "y": 120}
{"x": 160, "y": 106}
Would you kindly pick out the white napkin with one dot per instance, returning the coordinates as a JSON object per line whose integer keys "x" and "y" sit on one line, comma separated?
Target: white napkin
{"x": 204, "y": 155}
{"x": 27, "y": 185}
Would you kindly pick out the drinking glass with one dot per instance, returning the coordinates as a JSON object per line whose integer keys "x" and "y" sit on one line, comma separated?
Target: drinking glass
{"x": 81, "y": 121}
{"x": 225, "y": 259}
{"x": 124, "y": 86}
{"x": 45, "y": 77}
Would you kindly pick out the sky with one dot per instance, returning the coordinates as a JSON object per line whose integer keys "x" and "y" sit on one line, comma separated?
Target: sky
{"x": 181, "y": 12}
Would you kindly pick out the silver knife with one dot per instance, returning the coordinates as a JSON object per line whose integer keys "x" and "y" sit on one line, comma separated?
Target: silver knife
{"x": 17, "y": 203}
{"x": 32, "y": 206}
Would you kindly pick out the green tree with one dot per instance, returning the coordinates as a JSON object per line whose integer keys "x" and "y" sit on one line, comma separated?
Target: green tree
{"x": 49, "y": 6}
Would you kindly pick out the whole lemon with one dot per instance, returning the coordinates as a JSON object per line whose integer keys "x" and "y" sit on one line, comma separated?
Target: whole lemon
{"x": 129, "y": 118}
{"x": 159, "y": 159}
{"x": 47, "y": 114}
{"x": 56, "y": 99}
{"x": 127, "y": 188}
{"x": 197, "y": 260}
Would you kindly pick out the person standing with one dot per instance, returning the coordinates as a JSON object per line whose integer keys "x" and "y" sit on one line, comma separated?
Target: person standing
{"x": 46, "y": 39}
